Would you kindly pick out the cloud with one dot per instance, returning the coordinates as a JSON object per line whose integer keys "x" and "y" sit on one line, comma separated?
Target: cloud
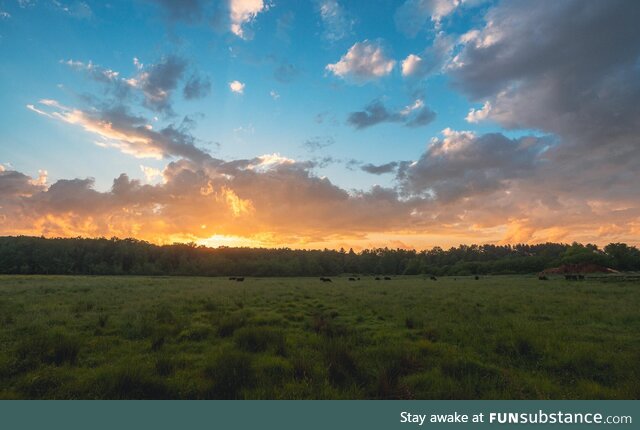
{"x": 154, "y": 83}
{"x": 462, "y": 164}
{"x": 158, "y": 81}
{"x": 415, "y": 115}
{"x": 568, "y": 81}
{"x": 274, "y": 94}
{"x": 335, "y": 20}
{"x": 319, "y": 142}
{"x": 413, "y": 15}
{"x": 477, "y": 115}
{"x": 411, "y": 65}
{"x": 237, "y": 87}
{"x": 151, "y": 174}
{"x": 243, "y": 12}
{"x": 182, "y": 10}
{"x": 380, "y": 169}
{"x": 76, "y": 9}
{"x": 197, "y": 87}
{"x": 93, "y": 71}
{"x": 285, "y": 72}
{"x": 116, "y": 127}
{"x": 365, "y": 61}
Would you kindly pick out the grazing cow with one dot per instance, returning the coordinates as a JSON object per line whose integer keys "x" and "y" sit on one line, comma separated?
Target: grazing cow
{"x": 327, "y": 279}
{"x": 433, "y": 278}
{"x": 571, "y": 277}
{"x": 581, "y": 277}
{"x": 239, "y": 279}
{"x": 233, "y": 278}
{"x": 352, "y": 279}
{"x": 386, "y": 278}
{"x": 358, "y": 278}
{"x": 477, "y": 277}
{"x": 377, "y": 278}
{"x": 542, "y": 278}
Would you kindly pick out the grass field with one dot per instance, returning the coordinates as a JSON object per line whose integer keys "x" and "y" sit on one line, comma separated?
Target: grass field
{"x": 299, "y": 338}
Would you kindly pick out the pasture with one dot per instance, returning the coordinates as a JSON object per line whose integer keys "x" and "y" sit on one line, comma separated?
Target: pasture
{"x": 500, "y": 337}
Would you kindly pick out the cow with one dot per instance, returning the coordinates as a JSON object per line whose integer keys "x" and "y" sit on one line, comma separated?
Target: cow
{"x": 325, "y": 279}
{"x": 233, "y": 278}
{"x": 433, "y": 278}
{"x": 386, "y": 278}
{"x": 377, "y": 278}
{"x": 542, "y": 278}
{"x": 352, "y": 279}
{"x": 477, "y": 277}
{"x": 571, "y": 277}
{"x": 240, "y": 279}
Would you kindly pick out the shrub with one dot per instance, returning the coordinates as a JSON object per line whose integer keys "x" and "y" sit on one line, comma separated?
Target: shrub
{"x": 129, "y": 381}
{"x": 229, "y": 324}
{"x": 230, "y": 373}
{"x": 258, "y": 339}
{"x": 48, "y": 348}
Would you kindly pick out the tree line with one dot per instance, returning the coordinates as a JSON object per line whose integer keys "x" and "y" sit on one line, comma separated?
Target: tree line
{"x": 83, "y": 256}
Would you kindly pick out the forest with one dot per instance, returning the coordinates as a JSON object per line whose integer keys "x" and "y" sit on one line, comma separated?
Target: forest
{"x": 102, "y": 256}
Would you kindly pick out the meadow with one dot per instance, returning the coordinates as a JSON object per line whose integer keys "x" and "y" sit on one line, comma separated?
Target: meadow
{"x": 499, "y": 337}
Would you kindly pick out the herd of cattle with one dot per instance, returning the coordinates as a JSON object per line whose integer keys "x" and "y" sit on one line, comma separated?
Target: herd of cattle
{"x": 433, "y": 278}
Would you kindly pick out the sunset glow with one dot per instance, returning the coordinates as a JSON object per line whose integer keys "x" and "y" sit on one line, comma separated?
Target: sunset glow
{"x": 321, "y": 124}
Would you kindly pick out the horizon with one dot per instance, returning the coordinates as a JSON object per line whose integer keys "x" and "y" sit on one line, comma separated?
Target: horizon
{"x": 345, "y": 249}
{"x": 325, "y": 124}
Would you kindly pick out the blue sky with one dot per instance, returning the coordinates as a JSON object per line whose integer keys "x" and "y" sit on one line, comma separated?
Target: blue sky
{"x": 368, "y": 99}
{"x": 38, "y": 38}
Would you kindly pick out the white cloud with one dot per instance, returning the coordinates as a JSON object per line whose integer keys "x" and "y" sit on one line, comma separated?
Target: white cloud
{"x": 151, "y": 174}
{"x": 477, "y": 115}
{"x": 336, "y": 22}
{"x": 411, "y": 65}
{"x": 244, "y": 11}
{"x": 365, "y": 61}
{"x": 237, "y": 87}
{"x": 274, "y": 95}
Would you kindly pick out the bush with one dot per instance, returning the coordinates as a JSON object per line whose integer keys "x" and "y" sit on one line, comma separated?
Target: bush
{"x": 48, "y": 348}
{"x": 129, "y": 381}
{"x": 230, "y": 373}
{"x": 259, "y": 339}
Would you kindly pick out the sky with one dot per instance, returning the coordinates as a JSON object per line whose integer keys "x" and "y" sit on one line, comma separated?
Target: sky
{"x": 321, "y": 123}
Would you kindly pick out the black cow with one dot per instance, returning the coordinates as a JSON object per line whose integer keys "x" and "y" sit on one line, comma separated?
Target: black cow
{"x": 542, "y": 278}
{"x": 233, "y": 278}
{"x": 377, "y": 278}
{"x": 386, "y": 278}
{"x": 239, "y": 279}
{"x": 477, "y": 277}
{"x": 352, "y": 279}
{"x": 433, "y": 278}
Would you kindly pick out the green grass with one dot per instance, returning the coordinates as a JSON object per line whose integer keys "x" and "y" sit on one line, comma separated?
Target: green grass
{"x": 298, "y": 338}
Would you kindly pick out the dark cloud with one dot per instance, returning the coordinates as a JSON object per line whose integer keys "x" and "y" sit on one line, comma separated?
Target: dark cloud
{"x": 286, "y": 73}
{"x": 182, "y": 10}
{"x": 569, "y": 68}
{"x": 197, "y": 87}
{"x": 158, "y": 81}
{"x": 319, "y": 142}
{"x": 14, "y": 184}
{"x": 154, "y": 84}
{"x": 375, "y": 112}
{"x": 462, "y": 164}
{"x": 380, "y": 169}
